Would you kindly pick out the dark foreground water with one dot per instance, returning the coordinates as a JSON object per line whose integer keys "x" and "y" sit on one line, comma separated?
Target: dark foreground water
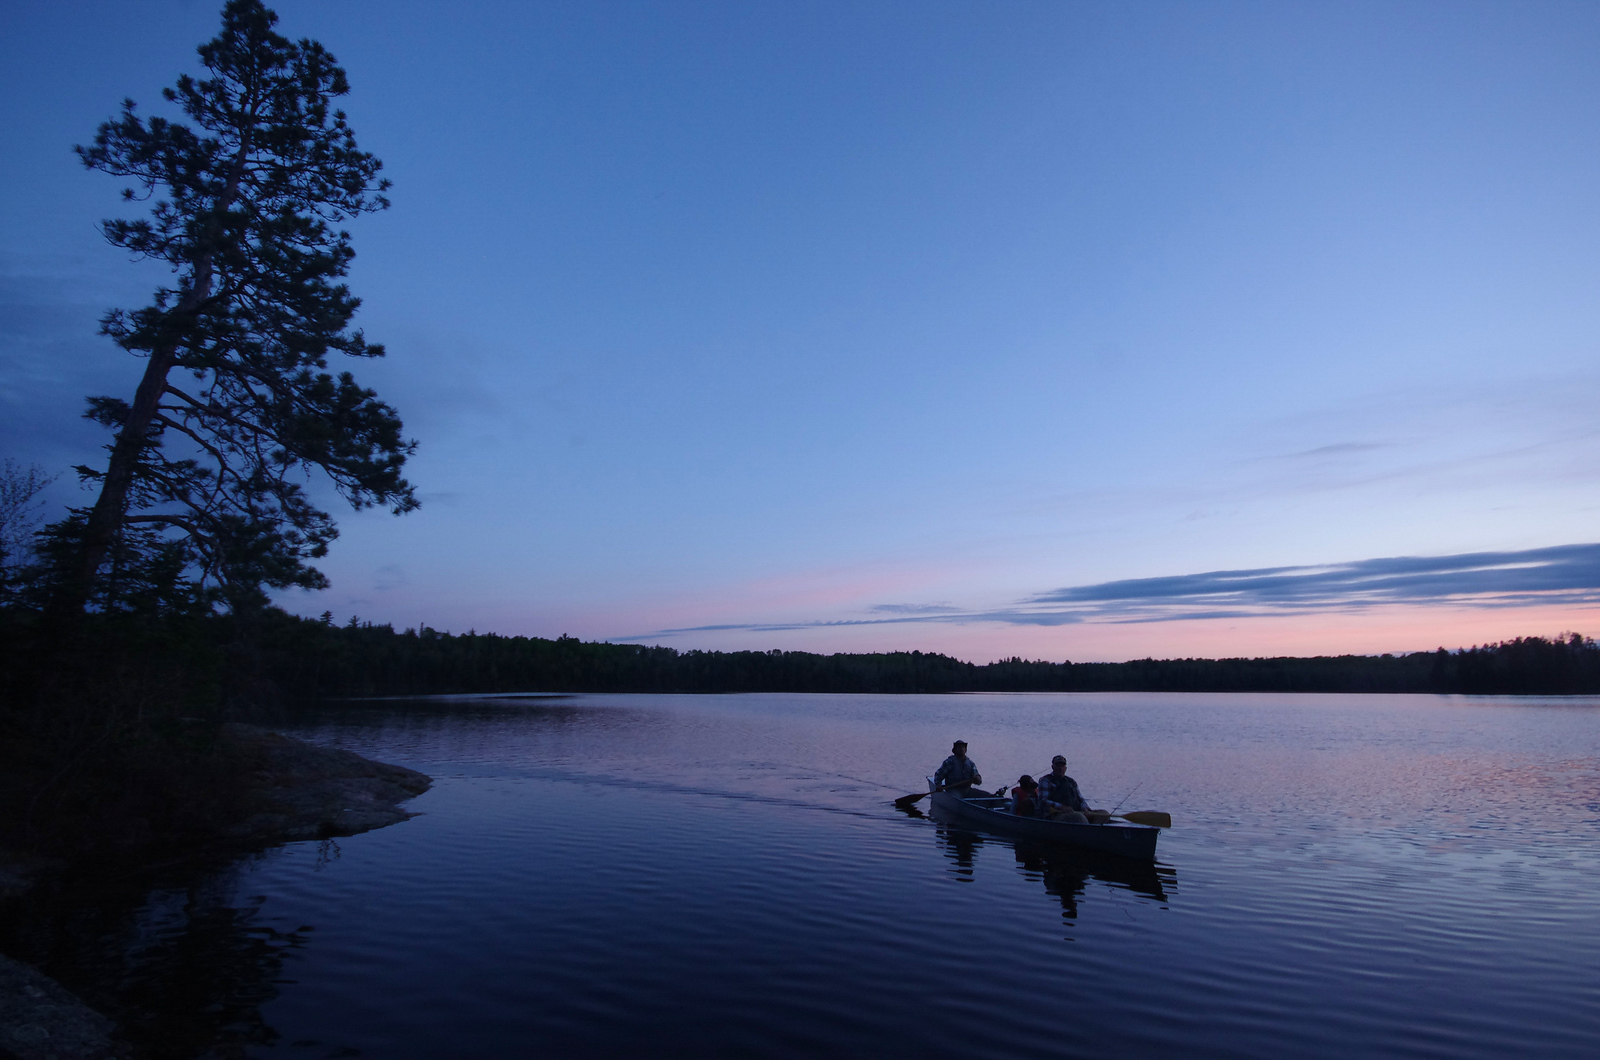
{"x": 724, "y": 876}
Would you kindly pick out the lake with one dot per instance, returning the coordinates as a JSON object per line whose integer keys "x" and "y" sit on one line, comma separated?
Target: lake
{"x": 726, "y": 876}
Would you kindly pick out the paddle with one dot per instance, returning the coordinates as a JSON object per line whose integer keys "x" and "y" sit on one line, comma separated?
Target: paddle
{"x": 1155, "y": 817}
{"x": 912, "y": 800}
{"x": 1160, "y": 820}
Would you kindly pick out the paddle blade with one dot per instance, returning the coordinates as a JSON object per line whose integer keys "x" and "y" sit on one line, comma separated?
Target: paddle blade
{"x": 910, "y": 800}
{"x": 1155, "y": 817}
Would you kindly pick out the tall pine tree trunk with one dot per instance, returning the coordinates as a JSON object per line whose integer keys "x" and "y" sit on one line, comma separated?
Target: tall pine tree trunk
{"x": 110, "y": 508}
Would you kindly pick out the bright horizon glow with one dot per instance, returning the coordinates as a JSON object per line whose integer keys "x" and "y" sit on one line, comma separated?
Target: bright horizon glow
{"x": 732, "y": 326}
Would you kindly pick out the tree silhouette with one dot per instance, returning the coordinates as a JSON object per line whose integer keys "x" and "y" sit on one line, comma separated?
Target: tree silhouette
{"x": 236, "y": 405}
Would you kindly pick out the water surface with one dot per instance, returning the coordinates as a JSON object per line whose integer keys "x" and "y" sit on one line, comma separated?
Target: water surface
{"x": 1402, "y": 876}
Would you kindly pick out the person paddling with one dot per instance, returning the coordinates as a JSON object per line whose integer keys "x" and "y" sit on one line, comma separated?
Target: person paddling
{"x": 958, "y": 773}
{"x": 1066, "y": 801}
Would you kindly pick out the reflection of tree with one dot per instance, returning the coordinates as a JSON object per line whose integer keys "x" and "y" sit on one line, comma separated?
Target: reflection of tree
{"x": 1066, "y": 871}
{"x": 183, "y": 966}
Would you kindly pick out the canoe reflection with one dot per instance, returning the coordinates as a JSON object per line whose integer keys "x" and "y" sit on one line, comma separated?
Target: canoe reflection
{"x": 1066, "y": 871}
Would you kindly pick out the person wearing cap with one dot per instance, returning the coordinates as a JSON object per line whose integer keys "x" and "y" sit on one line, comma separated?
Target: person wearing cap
{"x": 1063, "y": 799}
{"x": 958, "y": 772}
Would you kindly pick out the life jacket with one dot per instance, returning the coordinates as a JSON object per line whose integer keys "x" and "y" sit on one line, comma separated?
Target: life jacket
{"x": 1025, "y": 804}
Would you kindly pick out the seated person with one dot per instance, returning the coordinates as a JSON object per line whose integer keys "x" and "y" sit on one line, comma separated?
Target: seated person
{"x": 959, "y": 773}
{"x": 1063, "y": 801}
{"x": 1025, "y": 801}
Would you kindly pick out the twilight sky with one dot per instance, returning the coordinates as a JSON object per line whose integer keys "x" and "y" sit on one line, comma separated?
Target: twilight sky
{"x": 1088, "y": 330}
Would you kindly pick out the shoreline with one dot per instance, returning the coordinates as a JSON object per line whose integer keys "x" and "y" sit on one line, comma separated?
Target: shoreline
{"x": 293, "y": 791}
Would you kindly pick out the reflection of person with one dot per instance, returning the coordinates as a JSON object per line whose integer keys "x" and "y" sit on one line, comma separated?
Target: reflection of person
{"x": 958, "y": 772}
{"x": 1065, "y": 879}
{"x": 1066, "y": 871}
{"x": 1064, "y": 801}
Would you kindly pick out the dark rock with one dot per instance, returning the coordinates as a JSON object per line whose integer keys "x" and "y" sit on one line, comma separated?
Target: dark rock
{"x": 20, "y": 870}
{"x": 41, "y": 1020}
{"x": 301, "y": 791}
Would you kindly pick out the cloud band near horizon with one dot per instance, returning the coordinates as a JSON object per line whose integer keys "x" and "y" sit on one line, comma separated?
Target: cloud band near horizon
{"x": 1563, "y": 574}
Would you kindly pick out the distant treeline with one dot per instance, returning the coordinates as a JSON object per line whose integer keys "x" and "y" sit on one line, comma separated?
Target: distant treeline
{"x": 307, "y": 658}
{"x": 110, "y": 738}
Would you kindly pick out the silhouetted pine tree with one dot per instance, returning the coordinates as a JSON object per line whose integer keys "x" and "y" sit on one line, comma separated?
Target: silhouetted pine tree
{"x": 236, "y": 403}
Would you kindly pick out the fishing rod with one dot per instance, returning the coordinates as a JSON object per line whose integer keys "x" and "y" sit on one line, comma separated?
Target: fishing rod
{"x": 1125, "y": 798}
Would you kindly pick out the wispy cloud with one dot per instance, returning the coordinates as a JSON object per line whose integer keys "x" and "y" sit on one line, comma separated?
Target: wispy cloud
{"x": 1566, "y": 569}
{"x": 1338, "y": 449}
{"x": 1562, "y": 575}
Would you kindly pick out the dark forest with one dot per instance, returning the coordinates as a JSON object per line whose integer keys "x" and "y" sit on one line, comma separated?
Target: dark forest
{"x": 308, "y": 660}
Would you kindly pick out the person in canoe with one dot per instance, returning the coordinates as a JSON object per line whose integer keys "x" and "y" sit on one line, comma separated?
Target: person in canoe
{"x": 1025, "y": 798}
{"x": 1063, "y": 801}
{"x": 958, "y": 773}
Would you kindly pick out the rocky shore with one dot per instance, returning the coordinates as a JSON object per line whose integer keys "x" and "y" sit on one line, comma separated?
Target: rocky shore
{"x": 41, "y": 1020}
{"x": 293, "y": 790}
{"x": 302, "y": 791}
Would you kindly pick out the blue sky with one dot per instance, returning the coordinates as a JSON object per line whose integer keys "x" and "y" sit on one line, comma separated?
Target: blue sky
{"x": 869, "y": 326}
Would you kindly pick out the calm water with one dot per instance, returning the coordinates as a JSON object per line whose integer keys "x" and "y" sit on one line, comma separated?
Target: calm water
{"x": 725, "y": 876}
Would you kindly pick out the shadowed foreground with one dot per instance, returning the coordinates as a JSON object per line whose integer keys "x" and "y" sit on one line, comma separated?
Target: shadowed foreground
{"x": 264, "y": 789}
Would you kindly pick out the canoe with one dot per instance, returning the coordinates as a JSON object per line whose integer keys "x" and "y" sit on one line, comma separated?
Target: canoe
{"x": 994, "y": 815}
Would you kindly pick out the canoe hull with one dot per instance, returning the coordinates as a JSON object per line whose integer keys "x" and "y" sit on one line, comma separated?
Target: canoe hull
{"x": 1129, "y": 840}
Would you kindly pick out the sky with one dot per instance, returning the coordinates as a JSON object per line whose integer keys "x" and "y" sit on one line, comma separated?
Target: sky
{"x": 1082, "y": 331}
